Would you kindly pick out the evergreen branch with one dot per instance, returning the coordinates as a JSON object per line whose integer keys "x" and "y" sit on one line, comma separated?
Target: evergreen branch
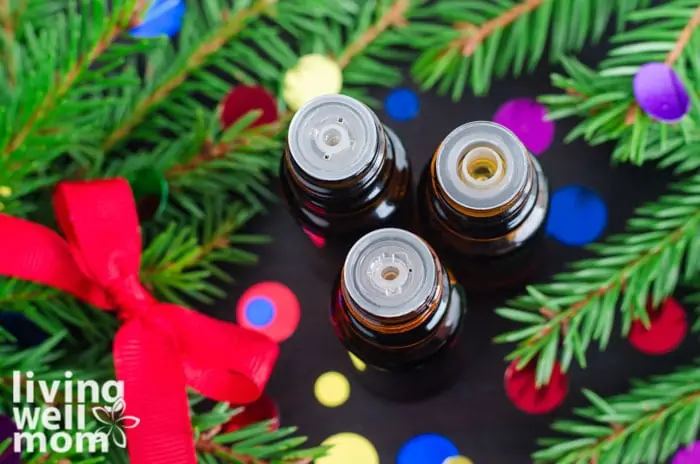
{"x": 472, "y": 42}
{"x": 661, "y": 246}
{"x": 181, "y": 260}
{"x": 644, "y": 426}
{"x": 54, "y": 311}
{"x": 67, "y": 80}
{"x": 395, "y": 15}
{"x": 192, "y": 60}
{"x": 604, "y": 97}
{"x": 257, "y": 444}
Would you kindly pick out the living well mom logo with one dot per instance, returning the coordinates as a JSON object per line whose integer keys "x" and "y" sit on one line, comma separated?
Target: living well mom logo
{"x": 57, "y": 415}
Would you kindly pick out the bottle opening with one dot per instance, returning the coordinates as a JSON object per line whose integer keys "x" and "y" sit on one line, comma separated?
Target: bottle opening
{"x": 482, "y": 167}
{"x": 390, "y": 273}
{"x": 333, "y": 138}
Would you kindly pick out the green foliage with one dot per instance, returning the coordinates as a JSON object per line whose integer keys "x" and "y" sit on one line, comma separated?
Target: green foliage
{"x": 604, "y": 97}
{"x": 257, "y": 441}
{"x": 644, "y": 426}
{"x": 660, "y": 247}
{"x": 468, "y": 43}
{"x": 368, "y": 45}
{"x": 181, "y": 261}
{"x": 58, "y": 103}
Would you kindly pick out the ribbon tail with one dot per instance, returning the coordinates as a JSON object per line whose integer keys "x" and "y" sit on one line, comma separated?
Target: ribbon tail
{"x": 148, "y": 362}
{"x": 223, "y": 361}
{"x": 36, "y": 253}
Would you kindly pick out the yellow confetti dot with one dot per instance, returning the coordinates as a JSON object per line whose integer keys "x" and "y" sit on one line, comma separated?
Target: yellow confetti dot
{"x": 349, "y": 448}
{"x": 357, "y": 362}
{"x": 313, "y": 75}
{"x": 457, "y": 460}
{"x": 332, "y": 389}
{"x": 5, "y": 191}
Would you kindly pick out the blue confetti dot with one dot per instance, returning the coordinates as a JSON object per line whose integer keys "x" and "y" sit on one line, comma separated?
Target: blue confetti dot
{"x": 163, "y": 17}
{"x": 260, "y": 312}
{"x": 429, "y": 448}
{"x": 577, "y": 215}
{"x": 402, "y": 104}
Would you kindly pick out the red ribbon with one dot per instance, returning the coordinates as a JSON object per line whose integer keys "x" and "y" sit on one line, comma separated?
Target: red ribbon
{"x": 160, "y": 348}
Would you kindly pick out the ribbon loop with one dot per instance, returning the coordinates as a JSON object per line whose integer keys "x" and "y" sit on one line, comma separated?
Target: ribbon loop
{"x": 160, "y": 349}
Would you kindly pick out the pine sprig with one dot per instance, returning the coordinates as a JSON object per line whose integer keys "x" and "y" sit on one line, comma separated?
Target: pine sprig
{"x": 661, "y": 246}
{"x": 258, "y": 444}
{"x": 57, "y": 105}
{"x": 369, "y": 48}
{"x": 53, "y": 311}
{"x": 604, "y": 96}
{"x": 203, "y": 35}
{"x": 644, "y": 426}
{"x": 471, "y": 42}
{"x": 181, "y": 261}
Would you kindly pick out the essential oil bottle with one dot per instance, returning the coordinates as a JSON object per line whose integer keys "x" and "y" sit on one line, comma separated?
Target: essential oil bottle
{"x": 343, "y": 173}
{"x": 398, "y": 311}
{"x": 483, "y": 202}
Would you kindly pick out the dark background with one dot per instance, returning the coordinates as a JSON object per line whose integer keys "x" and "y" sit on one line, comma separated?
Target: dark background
{"x": 476, "y": 415}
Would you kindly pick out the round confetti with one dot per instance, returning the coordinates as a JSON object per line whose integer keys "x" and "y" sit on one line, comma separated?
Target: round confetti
{"x": 688, "y": 455}
{"x": 243, "y": 99}
{"x": 332, "y": 389}
{"x": 669, "y": 327}
{"x": 317, "y": 240}
{"x": 8, "y": 430}
{"x": 261, "y": 410}
{"x": 457, "y": 460}
{"x": 429, "y": 448}
{"x": 660, "y": 93}
{"x": 163, "y": 17}
{"x": 349, "y": 448}
{"x": 260, "y": 312}
{"x": 313, "y": 75}
{"x": 520, "y": 388}
{"x": 357, "y": 362}
{"x": 577, "y": 215}
{"x": 527, "y": 119}
{"x": 271, "y": 299}
{"x": 402, "y": 104}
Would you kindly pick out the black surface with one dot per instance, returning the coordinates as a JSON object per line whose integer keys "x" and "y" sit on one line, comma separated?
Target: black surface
{"x": 475, "y": 414}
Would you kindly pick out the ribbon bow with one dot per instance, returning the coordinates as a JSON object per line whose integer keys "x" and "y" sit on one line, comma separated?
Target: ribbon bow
{"x": 160, "y": 348}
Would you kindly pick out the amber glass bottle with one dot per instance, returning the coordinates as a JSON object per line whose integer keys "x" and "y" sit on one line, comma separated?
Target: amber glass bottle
{"x": 343, "y": 173}
{"x": 483, "y": 202}
{"x": 397, "y": 310}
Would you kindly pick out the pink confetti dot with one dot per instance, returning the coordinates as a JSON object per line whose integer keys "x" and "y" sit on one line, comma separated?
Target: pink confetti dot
{"x": 527, "y": 119}
{"x": 688, "y": 455}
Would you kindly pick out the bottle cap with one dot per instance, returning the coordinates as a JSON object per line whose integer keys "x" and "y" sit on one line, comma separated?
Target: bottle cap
{"x": 333, "y": 137}
{"x": 482, "y": 165}
{"x": 390, "y": 272}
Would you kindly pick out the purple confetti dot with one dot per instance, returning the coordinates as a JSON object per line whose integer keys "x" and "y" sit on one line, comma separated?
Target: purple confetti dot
{"x": 688, "y": 455}
{"x": 8, "y": 430}
{"x": 527, "y": 119}
{"x": 660, "y": 93}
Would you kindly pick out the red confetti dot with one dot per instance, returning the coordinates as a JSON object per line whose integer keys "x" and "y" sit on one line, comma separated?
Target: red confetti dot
{"x": 261, "y": 410}
{"x": 520, "y": 388}
{"x": 286, "y": 314}
{"x": 244, "y": 99}
{"x": 668, "y": 328}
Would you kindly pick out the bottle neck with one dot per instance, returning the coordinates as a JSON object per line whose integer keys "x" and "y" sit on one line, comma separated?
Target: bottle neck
{"x": 395, "y": 342}
{"x": 361, "y": 187}
{"x": 485, "y": 224}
